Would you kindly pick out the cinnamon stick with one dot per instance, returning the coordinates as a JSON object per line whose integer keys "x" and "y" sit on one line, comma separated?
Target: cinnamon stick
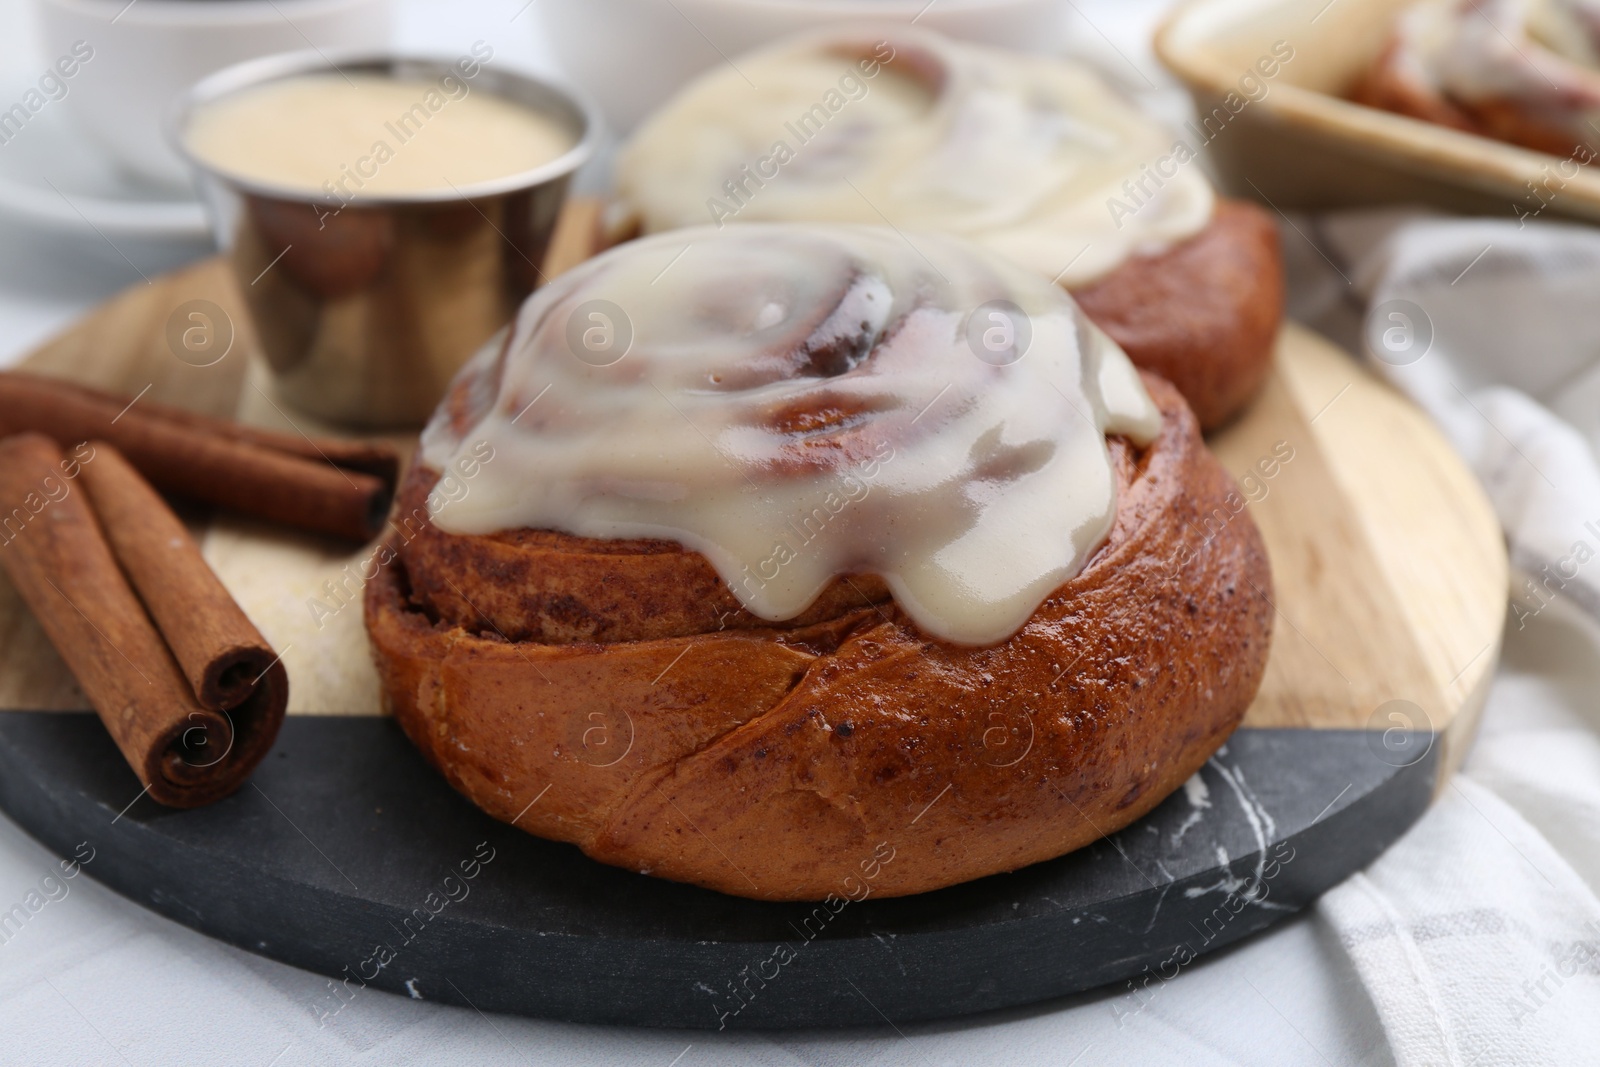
{"x": 53, "y": 548}
{"x": 234, "y": 469}
{"x": 228, "y": 663}
{"x": 369, "y": 457}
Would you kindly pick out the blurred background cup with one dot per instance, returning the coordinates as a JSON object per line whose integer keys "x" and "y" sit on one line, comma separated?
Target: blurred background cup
{"x": 143, "y": 54}
{"x": 631, "y": 55}
{"x": 365, "y": 309}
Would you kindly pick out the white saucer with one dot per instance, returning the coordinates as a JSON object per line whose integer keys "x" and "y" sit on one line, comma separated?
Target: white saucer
{"x": 55, "y": 178}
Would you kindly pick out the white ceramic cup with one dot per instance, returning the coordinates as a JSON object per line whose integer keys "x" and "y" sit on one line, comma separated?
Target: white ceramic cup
{"x": 631, "y": 55}
{"x": 141, "y": 55}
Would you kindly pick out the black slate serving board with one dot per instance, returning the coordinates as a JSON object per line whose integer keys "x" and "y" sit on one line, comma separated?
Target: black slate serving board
{"x": 348, "y": 855}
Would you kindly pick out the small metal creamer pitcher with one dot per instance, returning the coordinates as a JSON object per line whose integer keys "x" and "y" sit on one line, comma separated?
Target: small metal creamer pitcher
{"x": 365, "y": 308}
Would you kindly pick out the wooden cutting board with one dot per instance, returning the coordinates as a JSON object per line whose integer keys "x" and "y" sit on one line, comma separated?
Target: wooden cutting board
{"x": 1390, "y": 580}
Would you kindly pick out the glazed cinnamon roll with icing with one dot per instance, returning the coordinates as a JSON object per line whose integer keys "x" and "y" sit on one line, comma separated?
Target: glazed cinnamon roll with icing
{"x": 782, "y": 531}
{"x": 1032, "y": 157}
{"x": 766, "y": 366}
{"x": 1524, "y": 71}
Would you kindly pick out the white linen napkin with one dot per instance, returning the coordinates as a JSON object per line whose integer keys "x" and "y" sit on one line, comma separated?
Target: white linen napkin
{"x": 1475, "y": 938}
{"x": 1493, "y": 328}
{"x": 1478, "y": 934}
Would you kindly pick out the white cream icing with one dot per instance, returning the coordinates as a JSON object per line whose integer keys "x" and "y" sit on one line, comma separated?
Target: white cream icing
{"x": 1545, "y": 53}
{"x": 1025, "y": 154}
{"x": 798, "y": 403}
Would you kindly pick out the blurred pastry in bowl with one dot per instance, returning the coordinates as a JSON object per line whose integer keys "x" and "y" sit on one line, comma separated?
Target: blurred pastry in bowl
{"x": 1523, "y": 71}
{"x": 1033, "y": 157}
{"x": 746, "y": 564}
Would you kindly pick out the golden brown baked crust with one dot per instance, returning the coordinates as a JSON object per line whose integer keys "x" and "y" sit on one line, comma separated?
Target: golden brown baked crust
{"x": 539, "y": 585}
{"x": 786, "y": 762}
{"x": 1204, "y": 315}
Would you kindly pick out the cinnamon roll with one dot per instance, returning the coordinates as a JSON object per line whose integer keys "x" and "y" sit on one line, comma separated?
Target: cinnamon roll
{"x": 745, "y": 551}
{"x": 1523, "y": 71}
{"x": 1035, "y": 158}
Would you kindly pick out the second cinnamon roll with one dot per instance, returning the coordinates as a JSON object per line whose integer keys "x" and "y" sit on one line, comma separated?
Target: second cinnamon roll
{"x": 1032, "y": 157}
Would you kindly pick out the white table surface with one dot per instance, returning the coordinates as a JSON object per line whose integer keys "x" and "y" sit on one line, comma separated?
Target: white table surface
{"x": 96, "y": 979}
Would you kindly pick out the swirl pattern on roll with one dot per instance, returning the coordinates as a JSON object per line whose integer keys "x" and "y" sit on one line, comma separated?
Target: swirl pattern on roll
{"x": 1022, "y": 153}
{"x": 800, "y": 403}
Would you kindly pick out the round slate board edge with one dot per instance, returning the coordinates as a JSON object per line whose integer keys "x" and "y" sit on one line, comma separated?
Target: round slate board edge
{"x": 829, "y": 981}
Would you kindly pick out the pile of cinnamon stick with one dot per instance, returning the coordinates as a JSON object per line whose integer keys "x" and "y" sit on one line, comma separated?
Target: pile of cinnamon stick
{"x": 189, "y": 689}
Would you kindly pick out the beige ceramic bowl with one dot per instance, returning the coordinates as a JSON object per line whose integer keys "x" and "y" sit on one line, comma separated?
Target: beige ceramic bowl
{"x": 1303, "y": 145}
